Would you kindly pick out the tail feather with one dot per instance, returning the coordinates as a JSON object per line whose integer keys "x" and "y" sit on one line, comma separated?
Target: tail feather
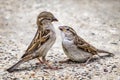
{"x": 102, "y": 51}
{"x": 11, "y": 69}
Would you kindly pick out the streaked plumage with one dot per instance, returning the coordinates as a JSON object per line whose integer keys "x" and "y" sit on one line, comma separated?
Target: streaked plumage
{"x": 42, "y": 42}
{"x": 76, "y": 48}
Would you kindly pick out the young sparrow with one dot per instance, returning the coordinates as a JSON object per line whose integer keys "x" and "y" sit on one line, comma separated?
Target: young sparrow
{"x": 42, "y": 42}
{"x": 76, "y": 48}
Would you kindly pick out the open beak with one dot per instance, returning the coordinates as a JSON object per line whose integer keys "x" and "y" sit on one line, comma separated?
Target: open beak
{"x": 55, "y": 19}
{"x": 62, "y": 28}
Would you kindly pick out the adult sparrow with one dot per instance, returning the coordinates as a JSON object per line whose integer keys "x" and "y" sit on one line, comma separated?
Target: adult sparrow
{"x": 76, "y": 48}
{"x": 42, "y": 42}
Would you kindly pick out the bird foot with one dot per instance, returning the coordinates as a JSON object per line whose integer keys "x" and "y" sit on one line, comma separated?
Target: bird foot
{"x": 38, "y": 63}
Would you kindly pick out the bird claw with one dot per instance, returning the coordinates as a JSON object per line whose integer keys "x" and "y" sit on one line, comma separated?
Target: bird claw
{"x": 39, "y": 63}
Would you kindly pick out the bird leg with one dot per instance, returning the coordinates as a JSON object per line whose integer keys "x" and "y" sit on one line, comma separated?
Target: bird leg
{"x": 83, "y": 64}
{"x": 40, "y": 62}
{"x": 49, "y": 66}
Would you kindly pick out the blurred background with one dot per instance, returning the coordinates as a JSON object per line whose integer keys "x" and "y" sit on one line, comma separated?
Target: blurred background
{"x": 97, "y": 21}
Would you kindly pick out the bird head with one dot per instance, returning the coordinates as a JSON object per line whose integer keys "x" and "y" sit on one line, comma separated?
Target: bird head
{"x": 46, "y": 16}
{"x": 67, "y": 32}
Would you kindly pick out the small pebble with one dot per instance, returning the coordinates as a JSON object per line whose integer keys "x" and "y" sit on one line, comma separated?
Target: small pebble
{"x": 93, "y": 33}
{"x": 105, "y": 70}
{"x": 114, "y": 43}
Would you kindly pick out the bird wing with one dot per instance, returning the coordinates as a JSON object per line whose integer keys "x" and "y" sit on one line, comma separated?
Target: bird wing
{"x": 83, "y": 45}
{"x": 40, "y": 38}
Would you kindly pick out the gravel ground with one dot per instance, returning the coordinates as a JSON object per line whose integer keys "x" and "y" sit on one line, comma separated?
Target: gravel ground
{"x": 97, "y": 21}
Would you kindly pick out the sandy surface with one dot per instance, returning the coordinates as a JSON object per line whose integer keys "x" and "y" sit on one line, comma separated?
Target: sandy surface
{"x": 97, "y": 21}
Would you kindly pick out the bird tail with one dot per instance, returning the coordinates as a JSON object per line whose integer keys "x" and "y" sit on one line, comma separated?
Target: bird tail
{"x": 102, "y": 51}
{"x": 11, "y": 69}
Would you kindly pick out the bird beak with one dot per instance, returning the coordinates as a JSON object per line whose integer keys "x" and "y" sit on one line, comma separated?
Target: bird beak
{"x": 62, "y": 28}
{"x": 54, "y": 19}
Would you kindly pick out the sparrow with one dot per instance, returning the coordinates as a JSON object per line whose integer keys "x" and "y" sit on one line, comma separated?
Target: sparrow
{"x": 42, "y": 42}
{"x": 76, "y": 48}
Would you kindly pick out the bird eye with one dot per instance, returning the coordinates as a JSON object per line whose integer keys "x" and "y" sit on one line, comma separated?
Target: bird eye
{"x": 67, "y": 29}
{"x": 49, "y": 19}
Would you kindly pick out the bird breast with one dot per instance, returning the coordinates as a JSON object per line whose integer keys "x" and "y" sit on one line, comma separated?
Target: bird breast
{"x": 42, "y": 51}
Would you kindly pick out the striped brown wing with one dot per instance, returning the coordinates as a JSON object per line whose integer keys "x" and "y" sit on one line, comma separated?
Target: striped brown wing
{"x": 36, "y": 42}
{"x": 83, "y": 45}
{"x": 31, "y": 48}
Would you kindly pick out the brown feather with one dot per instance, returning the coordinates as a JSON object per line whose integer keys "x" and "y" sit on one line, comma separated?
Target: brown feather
{"x": 36, "y": 42}
{"x": 82, "y": 44}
